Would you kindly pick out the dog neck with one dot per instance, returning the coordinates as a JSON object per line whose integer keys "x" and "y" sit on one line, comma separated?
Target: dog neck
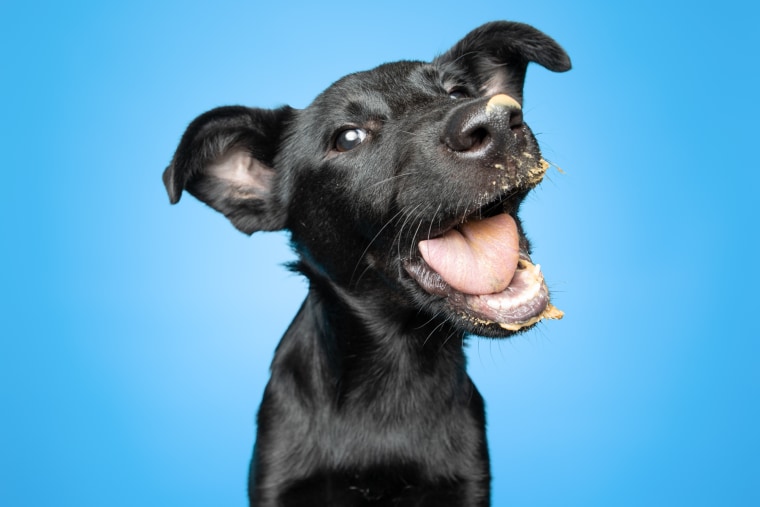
{"x": 333, "y": 353}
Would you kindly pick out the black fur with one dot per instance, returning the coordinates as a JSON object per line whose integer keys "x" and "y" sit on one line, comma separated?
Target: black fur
{"x": 369, "y": 402}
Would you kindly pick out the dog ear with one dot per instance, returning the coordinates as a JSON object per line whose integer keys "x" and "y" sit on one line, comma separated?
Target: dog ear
{"x": 497, "y": 54}
{"x": 225, "y": 159}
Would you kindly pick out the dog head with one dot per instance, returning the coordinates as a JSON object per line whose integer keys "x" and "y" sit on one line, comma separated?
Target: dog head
{"x": 401, "y": 184}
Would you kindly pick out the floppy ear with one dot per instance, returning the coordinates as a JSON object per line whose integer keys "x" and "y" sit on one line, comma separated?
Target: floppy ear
{"x": 497, "y": 54}
{"x": 225, "y": 159}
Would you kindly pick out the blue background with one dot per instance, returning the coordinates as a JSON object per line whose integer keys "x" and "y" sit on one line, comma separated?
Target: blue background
{"x": 136, "y": 336}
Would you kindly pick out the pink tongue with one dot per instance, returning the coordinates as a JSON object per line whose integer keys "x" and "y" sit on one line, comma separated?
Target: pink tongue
{"x": 478, "y": 257}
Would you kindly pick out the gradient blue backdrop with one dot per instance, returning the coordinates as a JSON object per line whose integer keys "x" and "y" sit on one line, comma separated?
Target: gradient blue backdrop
{"x": 136, "y": 336}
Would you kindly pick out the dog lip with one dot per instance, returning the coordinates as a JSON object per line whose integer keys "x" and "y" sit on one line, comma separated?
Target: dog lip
{"x": 430, "y": 281}
{"x": 523, "y": 303}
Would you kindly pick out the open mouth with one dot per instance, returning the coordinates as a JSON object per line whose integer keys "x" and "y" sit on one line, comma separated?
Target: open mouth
{"x": 484, "y": 274}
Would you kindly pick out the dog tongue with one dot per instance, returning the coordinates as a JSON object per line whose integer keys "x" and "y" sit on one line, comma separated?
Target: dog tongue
{"x": 478, "y": 257}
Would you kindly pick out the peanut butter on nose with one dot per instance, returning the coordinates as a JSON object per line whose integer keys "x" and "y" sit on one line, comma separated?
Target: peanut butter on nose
{"x": 501, "y": 100}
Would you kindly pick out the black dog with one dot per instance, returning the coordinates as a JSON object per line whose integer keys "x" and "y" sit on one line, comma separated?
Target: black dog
{"x": 400, "y": 187}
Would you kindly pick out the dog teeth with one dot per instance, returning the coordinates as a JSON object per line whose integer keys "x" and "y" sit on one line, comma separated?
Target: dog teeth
{"x": 493, "y": 303}
{"x": 533, "y": 269}
{"x": 505, "y": 302}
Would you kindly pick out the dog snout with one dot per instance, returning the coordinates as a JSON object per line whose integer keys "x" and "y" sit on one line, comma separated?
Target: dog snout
{"x": 480, "y": 127}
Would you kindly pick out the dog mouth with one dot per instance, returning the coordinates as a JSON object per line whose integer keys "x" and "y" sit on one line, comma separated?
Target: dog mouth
{"x": 485, "y": 275}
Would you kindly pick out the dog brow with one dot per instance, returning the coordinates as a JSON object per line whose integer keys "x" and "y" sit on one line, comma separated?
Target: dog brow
{"x": 371, "y": 106}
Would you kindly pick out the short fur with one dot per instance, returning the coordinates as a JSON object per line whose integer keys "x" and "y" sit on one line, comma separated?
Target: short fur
{"x": 369, "y": 402}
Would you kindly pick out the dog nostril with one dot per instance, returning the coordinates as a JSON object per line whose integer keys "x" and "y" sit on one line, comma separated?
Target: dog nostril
{"x": 515, "y": 120}
{"x": 468, "y": 140}
{"x": 479, "y": 138}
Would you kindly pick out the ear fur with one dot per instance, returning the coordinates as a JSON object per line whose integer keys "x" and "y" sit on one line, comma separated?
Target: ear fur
{"x": 225, "y": 159}
{"x": 497, "y": 55}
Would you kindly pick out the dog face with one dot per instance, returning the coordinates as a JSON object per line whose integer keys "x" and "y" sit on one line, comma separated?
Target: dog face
{"x": 400, "y": 185}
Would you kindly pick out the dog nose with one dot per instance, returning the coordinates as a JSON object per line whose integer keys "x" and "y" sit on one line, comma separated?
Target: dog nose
{"x": 474, "y": 127}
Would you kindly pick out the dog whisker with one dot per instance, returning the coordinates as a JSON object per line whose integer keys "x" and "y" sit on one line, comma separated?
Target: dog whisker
{"x": 392, "y": 178}
{"x": 431, "y": 319}
{"x": 408, "y": 216}
{"x": 358, "y": 262}
{"x": 452, "y": 334}
{"x": 430, "y": 228}
{"x": 432, "y": 332}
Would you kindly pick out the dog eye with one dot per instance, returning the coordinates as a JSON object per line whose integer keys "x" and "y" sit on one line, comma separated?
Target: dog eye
{"x": 350, "y": 139}
{"x": 458, "y": 93}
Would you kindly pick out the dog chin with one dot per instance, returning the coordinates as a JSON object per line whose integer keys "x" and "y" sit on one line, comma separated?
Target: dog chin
{"x": 521, "y": 305}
